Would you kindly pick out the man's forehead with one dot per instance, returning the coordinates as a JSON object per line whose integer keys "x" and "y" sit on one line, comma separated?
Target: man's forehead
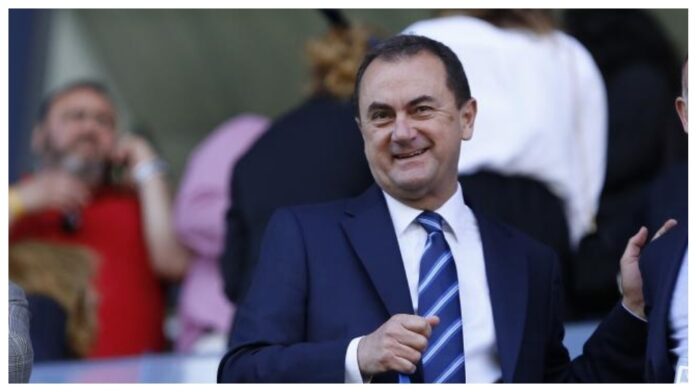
{"x": 82, "y": 96}
{"x": 404, "y": 78}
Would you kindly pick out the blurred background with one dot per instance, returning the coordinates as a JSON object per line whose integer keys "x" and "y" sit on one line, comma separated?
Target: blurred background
{"x": 178, "y": 73}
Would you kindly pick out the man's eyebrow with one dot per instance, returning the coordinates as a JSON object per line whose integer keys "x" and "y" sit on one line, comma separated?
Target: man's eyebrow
{"x": 421, "y": 99}
{"x": 378, "y": 106}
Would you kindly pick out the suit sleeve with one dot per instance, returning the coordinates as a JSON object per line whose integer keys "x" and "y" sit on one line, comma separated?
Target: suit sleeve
{"x": 614, "y": 353}
{"x": 20, "y": 351}
{"x": 269, "y": 339}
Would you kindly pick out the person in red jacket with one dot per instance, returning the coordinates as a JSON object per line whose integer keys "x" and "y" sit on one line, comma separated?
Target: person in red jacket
{"x": 75, "y": 197}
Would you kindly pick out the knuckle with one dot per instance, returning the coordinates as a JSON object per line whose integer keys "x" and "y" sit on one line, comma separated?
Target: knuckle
{"x": 391, "y": 344}
{"x": 385, "y": 359}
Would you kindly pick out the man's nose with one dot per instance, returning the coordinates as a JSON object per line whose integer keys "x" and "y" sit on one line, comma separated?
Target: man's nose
{"x": 90, "y": 124}
{"x": 90, "y": 121}
{"x": 403, "y": 131}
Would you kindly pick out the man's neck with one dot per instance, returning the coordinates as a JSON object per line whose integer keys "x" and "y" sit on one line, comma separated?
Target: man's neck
{"x": 429, "y": 202}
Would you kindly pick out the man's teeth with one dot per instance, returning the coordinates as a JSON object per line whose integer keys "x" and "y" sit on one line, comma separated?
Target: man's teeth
{"x": 411, "y": 154}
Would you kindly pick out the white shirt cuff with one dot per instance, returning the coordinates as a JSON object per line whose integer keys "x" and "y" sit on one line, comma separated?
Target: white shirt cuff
{"x": 353, "y": 375}
{"x": 629, "y": 311}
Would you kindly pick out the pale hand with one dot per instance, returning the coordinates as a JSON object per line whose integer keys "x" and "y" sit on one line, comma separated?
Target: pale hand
{"x": 52, "y": 189}
{"x": 631, "y": 282}
{"x": 396, "y": 345}
{"x": 131, "y": 150}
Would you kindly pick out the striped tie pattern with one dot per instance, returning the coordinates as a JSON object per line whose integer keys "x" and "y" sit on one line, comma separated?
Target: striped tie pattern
{"x": 438, "y": 294}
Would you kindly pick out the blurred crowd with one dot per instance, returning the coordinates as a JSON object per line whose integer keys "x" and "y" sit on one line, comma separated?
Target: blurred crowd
{"x": 575, "y": 141}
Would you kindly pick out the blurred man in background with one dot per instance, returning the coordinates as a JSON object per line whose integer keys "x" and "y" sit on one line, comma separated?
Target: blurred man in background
{"x": 641, "y": 70}
{"x": 106, "y": 191}
{"x": 665, "y": 268}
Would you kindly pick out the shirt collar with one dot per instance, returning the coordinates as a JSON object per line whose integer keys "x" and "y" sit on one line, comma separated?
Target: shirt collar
{"x": 452, "y": 213}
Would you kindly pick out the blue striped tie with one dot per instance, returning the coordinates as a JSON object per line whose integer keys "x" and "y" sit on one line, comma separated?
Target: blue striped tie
{"x": 438, "y": 294}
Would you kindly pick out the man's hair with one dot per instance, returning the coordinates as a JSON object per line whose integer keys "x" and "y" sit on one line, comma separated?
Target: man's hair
{"x": 48, "y": 101}
{"x": 405, "y": 46}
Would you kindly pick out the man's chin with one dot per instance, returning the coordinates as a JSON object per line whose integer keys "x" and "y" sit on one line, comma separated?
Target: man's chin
{"x": 89, "y": 169}
{"x": 412, "y": 188}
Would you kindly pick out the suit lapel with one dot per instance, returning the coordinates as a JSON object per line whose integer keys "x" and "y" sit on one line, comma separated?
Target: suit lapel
{"x": 507, "y": 273}
{"x": 371, "y": 233}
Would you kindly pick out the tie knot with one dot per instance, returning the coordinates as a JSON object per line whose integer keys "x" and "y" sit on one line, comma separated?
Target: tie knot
{"x": 431, "y": 221}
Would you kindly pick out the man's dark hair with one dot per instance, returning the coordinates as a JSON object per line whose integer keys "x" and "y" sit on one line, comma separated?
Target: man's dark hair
{"x": 404, "y": 46}
{"x": 50, "y": 98}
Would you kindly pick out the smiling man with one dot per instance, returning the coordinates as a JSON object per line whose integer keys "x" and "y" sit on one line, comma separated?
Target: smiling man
{"x": 406, "y": 283}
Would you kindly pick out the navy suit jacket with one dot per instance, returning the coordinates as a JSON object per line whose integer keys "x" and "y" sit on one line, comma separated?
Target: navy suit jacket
{"x": 331, "y": 272}
{"x": 659, "y": 267}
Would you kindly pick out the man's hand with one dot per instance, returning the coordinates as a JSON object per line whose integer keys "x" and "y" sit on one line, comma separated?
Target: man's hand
{"x": 631, "y": 282}
{"x": 396, "y": 345}
{"x": 52, "y": 189}
{"x": 132, "y": 150}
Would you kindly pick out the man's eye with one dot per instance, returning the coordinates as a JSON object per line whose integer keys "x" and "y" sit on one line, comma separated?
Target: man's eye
{"x": 423, "y": 109}
{"x": 380, "y": 115}
{"x": 74, "y": 115}
{"x": 106, "y": 121}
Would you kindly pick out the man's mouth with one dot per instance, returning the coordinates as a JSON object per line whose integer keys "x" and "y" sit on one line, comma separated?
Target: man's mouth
{"x": 410, "y": 154}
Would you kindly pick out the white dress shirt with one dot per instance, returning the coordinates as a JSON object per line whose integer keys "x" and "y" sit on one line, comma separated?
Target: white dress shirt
{"x": 679, "y": 319}
{"x": 462, "y": 235}
{"x": 542, "y": 110}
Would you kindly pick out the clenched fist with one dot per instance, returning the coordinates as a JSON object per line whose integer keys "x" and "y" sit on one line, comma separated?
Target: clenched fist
{"x": 396, "y": 345}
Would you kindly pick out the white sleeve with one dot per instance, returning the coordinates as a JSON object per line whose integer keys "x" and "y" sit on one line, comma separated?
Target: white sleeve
{"x": 592, "y": 133}
{"x": 353, "y": 375}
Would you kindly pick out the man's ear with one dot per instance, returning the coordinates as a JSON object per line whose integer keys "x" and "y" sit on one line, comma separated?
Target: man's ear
{"x": 683, "y": 111}
{"x": 468, "y": 117}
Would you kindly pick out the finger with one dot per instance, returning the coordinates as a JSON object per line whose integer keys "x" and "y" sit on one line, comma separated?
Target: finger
{"x": 402, "y": 365}
{"x": 119, "y": 152}
{"x": 117, "y": 155}
{"x": 415, "y": 323}
{"x": 413, "y": 340}
{"x": 70, "y": 201}
{"x": 433, "y": 320}
{"x": 669, "y": 224}
{"x": 636, "y": 243}
{"x": 73, "y": 194}
{"x": 66, "y": 203}
{"x": 408, "y": 354}
{"x": 74, "y": 186}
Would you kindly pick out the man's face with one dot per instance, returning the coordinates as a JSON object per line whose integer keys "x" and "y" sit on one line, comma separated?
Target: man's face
{"x": 79, "y": 127}
{"x": 412, "y": 128}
